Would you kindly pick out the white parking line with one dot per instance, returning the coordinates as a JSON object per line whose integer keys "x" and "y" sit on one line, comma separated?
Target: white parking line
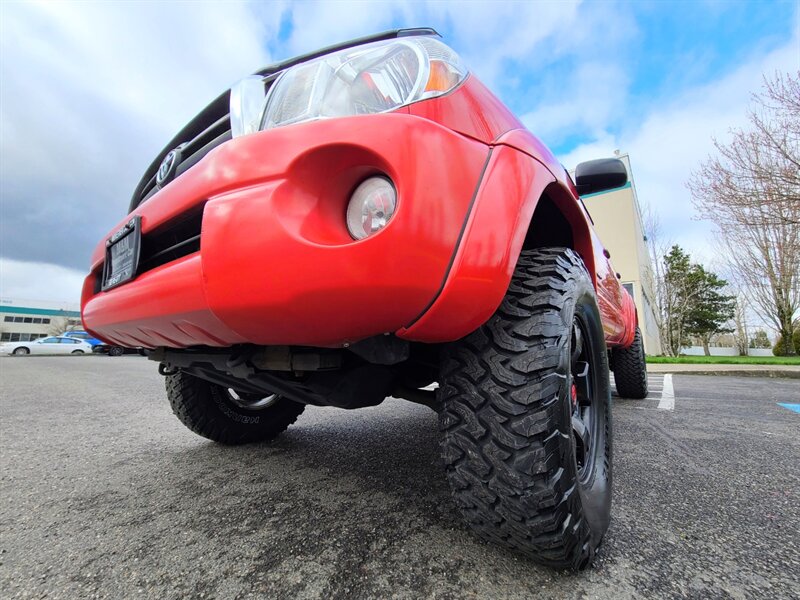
{"x": 667, "y": 401}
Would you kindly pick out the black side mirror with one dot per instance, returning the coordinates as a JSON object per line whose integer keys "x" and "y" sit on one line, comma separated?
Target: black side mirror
{"x": 600, "y": 175}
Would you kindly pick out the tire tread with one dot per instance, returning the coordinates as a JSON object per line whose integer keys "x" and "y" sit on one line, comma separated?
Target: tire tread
{"x": 501, "y": 446}
{"x": 630, "y": 369}
{"x": 193, "y": 402}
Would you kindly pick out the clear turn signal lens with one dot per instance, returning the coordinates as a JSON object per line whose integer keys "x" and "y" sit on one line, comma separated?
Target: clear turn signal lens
{"x": 248, "y": 98}
{"x": 371, "y": 206}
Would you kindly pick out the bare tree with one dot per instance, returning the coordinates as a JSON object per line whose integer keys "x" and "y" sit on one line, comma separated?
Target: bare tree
{"x": 57, "y": 326}
{"x": 658, "y": 248}
{"x": 751, "y": 191}
{"x": 740, "y": 332}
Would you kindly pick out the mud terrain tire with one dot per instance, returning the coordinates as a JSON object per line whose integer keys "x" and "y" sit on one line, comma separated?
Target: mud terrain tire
{"x": 509, "y": 404}
{"x": 630, "y": 369}
{"x": 211, "y": 411}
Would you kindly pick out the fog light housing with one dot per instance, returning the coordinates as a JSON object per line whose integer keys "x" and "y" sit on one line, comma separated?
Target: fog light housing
{"x": 371, "y": 207}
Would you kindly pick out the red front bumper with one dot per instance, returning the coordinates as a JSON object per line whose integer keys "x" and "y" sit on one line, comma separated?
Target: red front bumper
{"x": 276, "y": 264}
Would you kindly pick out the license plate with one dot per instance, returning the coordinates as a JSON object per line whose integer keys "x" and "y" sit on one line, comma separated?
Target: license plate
{"x": 122, "y": 254}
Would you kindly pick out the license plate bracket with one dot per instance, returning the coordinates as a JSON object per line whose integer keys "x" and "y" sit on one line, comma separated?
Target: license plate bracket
{"x": 122, "y": 254}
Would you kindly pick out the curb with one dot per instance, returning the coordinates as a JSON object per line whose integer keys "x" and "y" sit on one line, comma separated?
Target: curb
{"x": 766, "y": 373}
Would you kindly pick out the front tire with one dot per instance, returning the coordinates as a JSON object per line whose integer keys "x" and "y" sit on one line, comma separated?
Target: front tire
{"x": 630, "y": 369}
{"x": 527, "y": 416}
{"x": 116, "y": 351}
{"x": 226, "y": 417}
{"x": 77, "y": 352}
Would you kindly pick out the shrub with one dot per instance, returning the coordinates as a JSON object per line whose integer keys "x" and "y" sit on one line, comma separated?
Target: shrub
{"x": 779, "y": 349}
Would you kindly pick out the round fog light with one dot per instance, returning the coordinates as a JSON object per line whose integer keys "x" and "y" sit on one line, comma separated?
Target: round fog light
{"x": 371, "y": 207}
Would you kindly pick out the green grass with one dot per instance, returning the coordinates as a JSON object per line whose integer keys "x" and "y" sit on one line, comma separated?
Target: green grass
{"x": 724, "y": 360}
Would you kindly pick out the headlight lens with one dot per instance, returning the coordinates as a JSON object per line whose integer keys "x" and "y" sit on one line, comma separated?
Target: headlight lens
{"x": 371, "y": 206}
{"x": 368, "y": 79}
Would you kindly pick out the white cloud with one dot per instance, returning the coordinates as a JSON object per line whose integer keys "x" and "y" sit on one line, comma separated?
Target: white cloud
{"x": 157, "y": 64}
{"x": 673, "y": 139}
{"x": 603, "y": 146}
{"x": 487, "y": 34}
{"x": 90, "y": 93}
{"x": 597, "y": 96}
{"x": 492, "y": 34}
{"x": 39, "y": 281}
{"x": 319, "y": 24}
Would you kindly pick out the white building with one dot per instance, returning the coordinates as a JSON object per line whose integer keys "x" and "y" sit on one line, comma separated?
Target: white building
{"x": 617, "y": 218}
{"x": 24, "y": 320}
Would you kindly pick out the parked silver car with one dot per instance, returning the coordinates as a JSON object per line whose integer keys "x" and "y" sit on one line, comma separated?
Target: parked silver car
{"x": 56, "y": 344}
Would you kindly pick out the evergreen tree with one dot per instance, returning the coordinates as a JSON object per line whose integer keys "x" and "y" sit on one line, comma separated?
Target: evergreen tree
{"x": 712, "y": 309}
{"x": 693, "y": 302}
{"x": 760, "y": 340}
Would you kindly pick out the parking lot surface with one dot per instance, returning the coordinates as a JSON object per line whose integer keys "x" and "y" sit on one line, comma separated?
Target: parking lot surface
{"x": 103, "y": 493}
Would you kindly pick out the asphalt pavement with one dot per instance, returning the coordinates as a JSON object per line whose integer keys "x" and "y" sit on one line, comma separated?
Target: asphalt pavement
{"x": 103, "y": 493}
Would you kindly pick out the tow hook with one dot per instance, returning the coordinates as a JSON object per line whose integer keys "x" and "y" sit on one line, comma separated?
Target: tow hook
{"x": 164, "y": 370}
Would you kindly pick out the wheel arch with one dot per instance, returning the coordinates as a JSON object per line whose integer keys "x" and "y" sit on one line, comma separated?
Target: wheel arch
{"x": 519, "y": 204}
{"x": 559, "y": 221}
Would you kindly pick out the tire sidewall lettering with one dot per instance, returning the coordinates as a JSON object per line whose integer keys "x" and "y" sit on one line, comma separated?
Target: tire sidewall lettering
{"x": 231, "y": 414}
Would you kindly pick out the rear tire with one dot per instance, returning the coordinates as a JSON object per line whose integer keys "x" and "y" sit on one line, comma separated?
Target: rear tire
{"x": 116, "y": 351}
{"x": 21, "y": 351}
{"x": 630, "y": 369}
{"x": 528, "y": 457}
{"x": 213, "y": 412}
{"x": 77, "y": 352}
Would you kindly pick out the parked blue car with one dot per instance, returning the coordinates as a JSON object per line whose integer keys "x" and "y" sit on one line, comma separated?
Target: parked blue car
{"x": 82, "y": 335}
{"x": 97, "y": 345}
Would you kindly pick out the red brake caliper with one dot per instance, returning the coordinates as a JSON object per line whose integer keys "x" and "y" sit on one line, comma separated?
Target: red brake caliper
{"x": 574, "y": 396}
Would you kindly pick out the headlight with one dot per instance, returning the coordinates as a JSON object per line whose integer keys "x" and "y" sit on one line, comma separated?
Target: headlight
{"x": 368, "y": 79}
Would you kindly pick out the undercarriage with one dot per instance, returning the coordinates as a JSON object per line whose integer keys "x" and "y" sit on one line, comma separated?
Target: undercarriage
{"x": 363, "y": 374}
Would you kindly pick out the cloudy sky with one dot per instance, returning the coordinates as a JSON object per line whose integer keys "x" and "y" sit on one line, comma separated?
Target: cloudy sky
{"x": 90, "y": 92}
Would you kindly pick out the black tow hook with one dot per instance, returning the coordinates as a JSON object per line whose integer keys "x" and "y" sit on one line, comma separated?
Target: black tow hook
{"x": 164, "y": 370}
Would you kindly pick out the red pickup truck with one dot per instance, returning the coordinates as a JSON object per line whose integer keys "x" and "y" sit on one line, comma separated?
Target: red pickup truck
{"x": 367, "y": 221}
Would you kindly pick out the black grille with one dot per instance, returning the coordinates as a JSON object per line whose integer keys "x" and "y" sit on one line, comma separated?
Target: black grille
{"x": 206, "y": 131}
{"x": 173, "y": 240}
{"x": 192, "y": 151}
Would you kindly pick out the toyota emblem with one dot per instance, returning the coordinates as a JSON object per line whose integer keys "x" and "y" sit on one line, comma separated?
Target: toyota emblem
{"x": 167, "y": 168}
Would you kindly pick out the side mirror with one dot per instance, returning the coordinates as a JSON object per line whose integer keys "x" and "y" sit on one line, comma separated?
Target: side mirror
{"x": 600, "y": 175}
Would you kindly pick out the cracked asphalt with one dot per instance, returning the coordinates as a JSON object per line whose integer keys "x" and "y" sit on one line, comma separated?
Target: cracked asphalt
{"x": 103, "y": 493}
